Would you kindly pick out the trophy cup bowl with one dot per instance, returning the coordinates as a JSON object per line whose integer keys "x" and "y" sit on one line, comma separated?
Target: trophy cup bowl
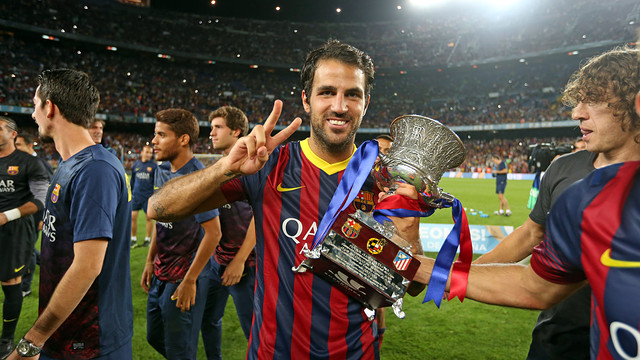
{"x": 422, "y": 151}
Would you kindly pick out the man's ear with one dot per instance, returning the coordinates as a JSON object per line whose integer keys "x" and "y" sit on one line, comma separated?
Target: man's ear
{"x": 366, "y": 106}
{"x": 305, "y": 102}
{"x": 184, "y": 139}
{"x": 236, "y": 133}
{"x": 638, "y": 103}
{"x": 51, "y": 108}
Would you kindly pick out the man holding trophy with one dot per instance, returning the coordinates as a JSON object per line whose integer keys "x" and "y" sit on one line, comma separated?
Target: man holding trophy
{"x": 299, "y": 315}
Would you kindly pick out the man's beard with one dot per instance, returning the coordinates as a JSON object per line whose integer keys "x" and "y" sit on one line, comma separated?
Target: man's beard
{"x": 323, "y": 137}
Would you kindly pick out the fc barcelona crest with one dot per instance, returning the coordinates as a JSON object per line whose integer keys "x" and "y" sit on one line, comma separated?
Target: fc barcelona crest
{"x": 375, "y": 246}
{"x": 148, "y": 168}
{"x": 402, "y": 261}
{"x": 55, "y": 193}
{"x": 364, "y": 201}
{"x": 12, "y": 170}
{"x": 351, "y": 229}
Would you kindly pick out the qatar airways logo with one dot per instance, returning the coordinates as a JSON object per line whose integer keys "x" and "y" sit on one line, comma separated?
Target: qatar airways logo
{"x": 142, "y": 176}
{"x": 168, "y": 225}
{"x": 48, "y": 226}
{"x": 298, "y": 232}
{"x": 7, "y": 186}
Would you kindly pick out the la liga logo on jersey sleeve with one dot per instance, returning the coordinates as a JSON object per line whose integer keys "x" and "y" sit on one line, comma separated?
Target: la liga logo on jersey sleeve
{"x": 55, "y": 194}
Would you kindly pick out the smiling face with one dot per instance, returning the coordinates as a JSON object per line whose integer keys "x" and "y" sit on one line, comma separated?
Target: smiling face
{"x": 336, "y": 104}
{"x": 166, "y": 145}
{"x": 601, "y": 130}
{"x": 96, "y": 131}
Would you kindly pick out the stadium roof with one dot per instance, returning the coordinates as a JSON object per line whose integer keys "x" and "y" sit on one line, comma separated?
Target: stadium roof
{"x": 329, "y": 10}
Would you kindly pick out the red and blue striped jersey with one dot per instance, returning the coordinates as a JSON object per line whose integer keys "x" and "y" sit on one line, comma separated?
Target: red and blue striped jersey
{"x": 298, "y": 315}
{"x": 593, "y": 232}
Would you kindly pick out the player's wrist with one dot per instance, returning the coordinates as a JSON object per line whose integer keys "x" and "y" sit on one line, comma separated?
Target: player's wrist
{"x": 12, "y": 214}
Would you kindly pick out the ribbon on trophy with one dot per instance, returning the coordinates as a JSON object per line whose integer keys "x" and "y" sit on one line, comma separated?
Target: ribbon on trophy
{"x": 459, "y": 236}
{"x": 353, "y": 178}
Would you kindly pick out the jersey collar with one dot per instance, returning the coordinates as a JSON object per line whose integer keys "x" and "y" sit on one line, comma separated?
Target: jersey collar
{"x": 330, "y": 169}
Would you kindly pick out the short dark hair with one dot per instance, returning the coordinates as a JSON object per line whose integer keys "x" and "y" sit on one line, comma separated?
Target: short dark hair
{"x": 612, "y": 77}
{"x": 235, "y": 118}
{"x": 345, "y": 53}
{"x": 28, "y": 138}
{"x": 72, "y": 92}
{"x": 384, "y": 137}
{"x": 181, "y": 122}
{"x": 10, "y": 123}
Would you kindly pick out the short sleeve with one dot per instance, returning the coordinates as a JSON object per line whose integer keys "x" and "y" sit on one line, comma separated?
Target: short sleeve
{"x": 97, "y": 190}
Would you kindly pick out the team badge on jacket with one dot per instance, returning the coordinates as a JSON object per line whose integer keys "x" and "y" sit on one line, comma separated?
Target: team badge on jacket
{"x": 55, "y": 193}
{"x": 351, "y": 229}
{"x": 402, "y": 261}
{"x": 12, "y": 170}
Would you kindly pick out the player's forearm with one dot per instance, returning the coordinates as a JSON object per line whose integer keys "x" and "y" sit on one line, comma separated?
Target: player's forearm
{"x": 190, "y": 194}
{"x": 25, "y": 209}
{"x": 205, "y": 250}
{"x": 516, "y": 246}
{"x": 512, "y": 285}
{"x": 153, "y": 247}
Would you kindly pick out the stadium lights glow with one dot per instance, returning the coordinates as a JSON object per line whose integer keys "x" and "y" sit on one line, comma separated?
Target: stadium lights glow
{"x": 237, "y": 55}
{"x": 128, "y": 73}
{"x": 575, "y": 52}
{"x": 49, "y": 37}
{"x": 338, "y": 10}
{"x": 79, "y": 52}
{"x": 184, "y": 81}
{"x": 213, "y": 2}
{"x": 112, "y": 48}
{"x": 86, "y": 7}
{"x": 277, "y": 8}
{"x": 294, "y": 69}
{"x": 523, "y": 60}
{"x": 253, "y": 66}
{"x": 399, "y": 7}
{"x": 211, "y": 62}
{"x": 440, "y": 3}
{"x": 164, "y": 56}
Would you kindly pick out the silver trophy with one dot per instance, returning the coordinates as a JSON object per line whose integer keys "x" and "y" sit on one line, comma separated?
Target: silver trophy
{"x": 422, "y": 151}
{"x": 368, "y": 260}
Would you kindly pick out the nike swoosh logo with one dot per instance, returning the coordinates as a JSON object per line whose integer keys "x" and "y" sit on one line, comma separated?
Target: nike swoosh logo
{"x": 606, "y": 260}
{"x": 18, "y": 269}
{"x": 9, "y": 320}
{"x": 281, "y": 189}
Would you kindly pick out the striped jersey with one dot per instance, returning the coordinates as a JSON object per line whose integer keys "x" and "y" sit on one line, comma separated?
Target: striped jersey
{"x": 593, "y": 232}
{"x": 298, "y": 315}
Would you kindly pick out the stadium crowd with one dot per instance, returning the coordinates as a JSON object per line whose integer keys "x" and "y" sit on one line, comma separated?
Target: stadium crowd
{"x": 449, "y": 38}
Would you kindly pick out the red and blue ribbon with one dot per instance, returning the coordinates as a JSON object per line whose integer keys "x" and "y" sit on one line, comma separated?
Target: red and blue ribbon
{"x": 401, "y": 206}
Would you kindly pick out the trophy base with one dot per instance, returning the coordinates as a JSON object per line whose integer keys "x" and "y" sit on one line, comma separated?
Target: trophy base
{"x": 359, "y": 257}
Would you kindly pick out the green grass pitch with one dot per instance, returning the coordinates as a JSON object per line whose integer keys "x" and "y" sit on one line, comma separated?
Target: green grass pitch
{"x": 468, "y": 330}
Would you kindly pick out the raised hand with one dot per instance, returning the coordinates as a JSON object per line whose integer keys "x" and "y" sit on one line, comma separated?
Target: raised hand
{"x": 249, "y": 153}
